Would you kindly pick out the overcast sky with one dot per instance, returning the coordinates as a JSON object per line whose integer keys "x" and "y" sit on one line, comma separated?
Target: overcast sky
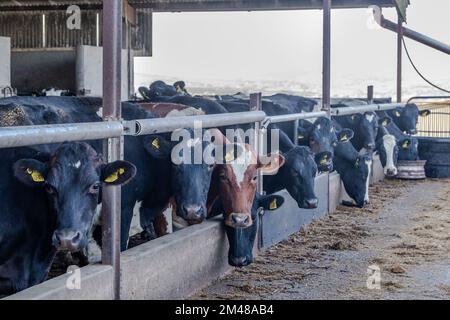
{"x": 288, "y": 46}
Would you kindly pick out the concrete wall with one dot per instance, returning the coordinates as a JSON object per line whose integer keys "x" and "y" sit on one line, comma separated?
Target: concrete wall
{"x": 34, "y": 70}
{"x": 96, "y": 284}
{"x": 89, "y": 71}
{"x": 5, "y": 62}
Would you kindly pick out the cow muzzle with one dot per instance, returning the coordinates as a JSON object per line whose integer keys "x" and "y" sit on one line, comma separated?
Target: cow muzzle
{"x": 240, "y": 261}
{"x": 390, "y": 172}
{"x": 193, "y": 214}
{"x": 67, "y": 240}
{"x": 239, "y": 220}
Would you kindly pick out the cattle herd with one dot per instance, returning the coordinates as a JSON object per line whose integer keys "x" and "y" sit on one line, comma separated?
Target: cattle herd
{"x": 50, "y": 194}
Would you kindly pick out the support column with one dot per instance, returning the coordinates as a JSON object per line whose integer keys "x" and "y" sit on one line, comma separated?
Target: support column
{"x": 326, "y": 72}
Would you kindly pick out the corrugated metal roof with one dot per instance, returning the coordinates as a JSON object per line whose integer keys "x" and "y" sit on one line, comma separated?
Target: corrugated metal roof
{"x": 202, "y": 5}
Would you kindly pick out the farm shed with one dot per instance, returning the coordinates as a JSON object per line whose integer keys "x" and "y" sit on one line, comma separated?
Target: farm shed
{"x": 134, "y": 262}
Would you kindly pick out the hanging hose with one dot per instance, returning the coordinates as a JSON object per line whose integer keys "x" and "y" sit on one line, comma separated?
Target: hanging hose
{"x": 418, "y": 72}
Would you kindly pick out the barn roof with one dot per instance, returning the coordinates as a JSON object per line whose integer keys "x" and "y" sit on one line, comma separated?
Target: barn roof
{"x": 197, "y": 5}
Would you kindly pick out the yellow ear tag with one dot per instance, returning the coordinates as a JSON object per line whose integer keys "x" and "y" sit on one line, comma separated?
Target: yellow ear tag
{"x": 397, "y": 114}
{"x": 324, "y": 159}
{"x": 273, "y": 204}
{"x": 179, "y": 90}
{"x": 344, "y": 138}
{"x": 35, "y": 175}
{"x": 113, "y": 177}
{"x": 385, "y": 123}
{"x": 405, "y": 145}
{"x": 229, "y": 157}
{"x": 155, "y": 143}
{"x": 301, "y": 137}
{"x": 353, "y": 117}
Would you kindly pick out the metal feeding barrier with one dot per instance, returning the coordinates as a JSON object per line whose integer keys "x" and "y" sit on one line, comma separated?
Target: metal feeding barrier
{"x": 437, "y": 123}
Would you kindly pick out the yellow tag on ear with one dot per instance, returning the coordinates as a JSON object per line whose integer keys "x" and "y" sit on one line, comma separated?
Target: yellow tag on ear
{"x": 397, "y": 113}
{"x": 405, "y": 144}
{"x": 353, "y": 117}
{"x": 114, "y": 176}
{"x": 155, "y": 143}
{"x": 179, "y": 90}
{"x": 385, "y": 123}
{"x": 273, "y": 204}
{"x": 344, "y": 138}
{"x": 301, "y": 137}
{"x": 229, "y": 156}
{"x": 35, "y": 175}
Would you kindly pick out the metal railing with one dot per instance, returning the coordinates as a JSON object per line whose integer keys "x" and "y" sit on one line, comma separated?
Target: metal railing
{"x": 437, "y": 123}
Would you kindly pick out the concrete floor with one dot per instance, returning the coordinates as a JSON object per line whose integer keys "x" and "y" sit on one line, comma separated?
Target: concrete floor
{"x": 398, "y": 247}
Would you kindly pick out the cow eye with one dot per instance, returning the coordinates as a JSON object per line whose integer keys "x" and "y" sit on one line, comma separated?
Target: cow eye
{"x": 50, "y": 189}
{"x": 94, "y": 188}
{"x": 254, "y": 178}
{"x": 223, "y": 177}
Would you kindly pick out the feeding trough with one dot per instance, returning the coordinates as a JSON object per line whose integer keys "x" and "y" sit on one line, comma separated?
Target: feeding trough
{"x": 411, "y": 170}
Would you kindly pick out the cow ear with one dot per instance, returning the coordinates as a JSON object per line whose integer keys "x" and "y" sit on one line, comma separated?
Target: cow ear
{"x": 424, "y": 113}
{"x": 276, "y": 162}
{"x": 345, "y": 135}
{"x": 405, "y": 143}
{"x": 157, "y": 146}
{"x": 30, "y": 172}
{"x": 385, "y": 121}
{"x": 117, "y": 173}
{"x": 271, "y": 202}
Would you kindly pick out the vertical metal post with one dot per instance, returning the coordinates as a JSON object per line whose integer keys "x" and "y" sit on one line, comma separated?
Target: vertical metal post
{"x": 326, "y": 72}
{"x": 399, "y": 58}
{"x": 112, "y": 79}
{"x": 256, "y": 105}
{"x": 370, "y": 94}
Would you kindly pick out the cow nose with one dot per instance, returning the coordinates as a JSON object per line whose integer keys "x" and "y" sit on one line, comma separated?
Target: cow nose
{"x": 240, "y": 220}
{"x": 391, "y": 172}
{"x": 312, "y": 203}
{"x": 413, "y": 131}
{"x": 193, "y": 213}
{"x": 67, "y": 240}
{"x": 371, "y": 146}
{"x": 239, "y": 261}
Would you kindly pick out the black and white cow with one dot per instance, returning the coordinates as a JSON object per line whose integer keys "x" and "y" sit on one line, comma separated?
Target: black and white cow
{"x": 354, "y": 169}
{"x": 387, "y": 148}
{"x": 365, "y": 127}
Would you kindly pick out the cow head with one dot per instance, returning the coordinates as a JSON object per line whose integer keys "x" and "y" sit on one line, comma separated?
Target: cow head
{"x": 320, "y": 137}
{"x": 408, "y": 149}
{"x": 407, "y": 118}
{"x": 161, "y": 89}
{"x": 353, "y": 168}
{"x": 242, "y": 240}
{"x": 237, "y": 182}
{"x": 73, "y": 177}
{"x": 366, "y": 129}
{"x": 299, "y": 172}
{"x": 387, "y": 148}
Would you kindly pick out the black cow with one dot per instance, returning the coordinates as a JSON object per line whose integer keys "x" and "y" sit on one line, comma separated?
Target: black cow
{"x": 354, "y": 169}
{"x": 406, "y": 118}
{"x": 365, "y": 127}
{"x": 296, "y": 104}
{"x": 64, "y": 188}
{"x": 297, "y": 175}
{"x": 241, "y": 240}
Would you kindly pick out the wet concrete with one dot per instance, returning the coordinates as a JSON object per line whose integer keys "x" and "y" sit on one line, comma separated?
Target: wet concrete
{"x": 398, "y": 247}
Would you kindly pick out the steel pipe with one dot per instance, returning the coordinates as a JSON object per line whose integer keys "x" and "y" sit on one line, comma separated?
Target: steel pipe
{"x": 163, "y": 125}
{"x": 296, "y": 116}
{"x": 343, "y": 111}
{"x": 43, "y": 134}
{"x": 326, "y": 62}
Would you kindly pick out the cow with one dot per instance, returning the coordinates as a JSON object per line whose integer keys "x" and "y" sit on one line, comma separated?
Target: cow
{"x": 387, "y": 148}
{"x": 354, "y": 169}
{"x": 407, "y": 118}
{"x": 296, "y": 104}
{"x": 364, "y": 126}
{"x": 297, "y": 175}
{"x": 408, "y": 146}
{"x": 242, "y": 240}
{"x": 64, "y": 187}
{"x": 234, "y": 185}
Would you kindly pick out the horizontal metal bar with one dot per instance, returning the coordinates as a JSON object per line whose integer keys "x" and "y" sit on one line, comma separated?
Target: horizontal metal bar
{"x": 296, "y": 116}
{"x": 414, "y": 35}
{"x": 43, "y": 134}
{"x": 427, "y": 97}
{"x": 343, "y": 111}
{"x": 163, "y": 125}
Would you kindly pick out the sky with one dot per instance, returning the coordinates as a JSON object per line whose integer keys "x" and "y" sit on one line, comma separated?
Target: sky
{"x": 286, "y": 46}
